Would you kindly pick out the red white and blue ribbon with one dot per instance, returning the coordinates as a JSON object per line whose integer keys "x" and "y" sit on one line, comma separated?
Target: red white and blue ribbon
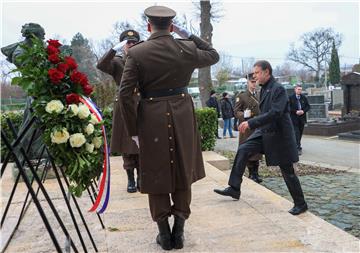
{"x": 103, "y": 196}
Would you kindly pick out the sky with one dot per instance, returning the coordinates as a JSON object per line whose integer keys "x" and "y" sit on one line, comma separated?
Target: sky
{"x": 259, "y": 29}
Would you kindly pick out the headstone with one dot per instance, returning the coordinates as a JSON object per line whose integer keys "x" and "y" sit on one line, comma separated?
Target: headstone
{"x": 351, "y": 88}
{"x": 337, "y": 99}
{"x": 316, "y": 99}
{"x": 318, "y": 112}
{"x": 318, "y": 108}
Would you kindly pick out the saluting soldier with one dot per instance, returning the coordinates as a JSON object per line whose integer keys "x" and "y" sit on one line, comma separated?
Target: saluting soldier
{"x": 165, "y": 126}
{"x": 247, "y": 107}
{"x": 113, "y": 63}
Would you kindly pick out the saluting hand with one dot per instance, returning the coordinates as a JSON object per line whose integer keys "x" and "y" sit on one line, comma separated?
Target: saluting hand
{"x": 136, "y": 139}
{"x": 119, "y": 46}
{"x": 183, "y": 33}
{"x": 243, "y": 126}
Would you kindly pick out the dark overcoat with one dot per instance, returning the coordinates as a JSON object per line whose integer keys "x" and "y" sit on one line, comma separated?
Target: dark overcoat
{"x": 275, "y": 126}
{"x": 246, "y": 100}
{"x": 227, "y": 111}
{"x": 113, "y": 65}
{"x": 170, "y": 153}
{"x": 305, "y": 106}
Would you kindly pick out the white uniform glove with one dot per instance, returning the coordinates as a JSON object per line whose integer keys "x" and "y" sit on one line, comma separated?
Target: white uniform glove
{"x": 136, "y": 139}
{"x": 183, "y": 33}
{"x": 118, "y": 47}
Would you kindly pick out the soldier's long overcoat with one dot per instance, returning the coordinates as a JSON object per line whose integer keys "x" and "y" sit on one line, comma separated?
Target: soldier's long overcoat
{"x": 170, "y": 152}
{"x": 246, "y": 100}
{"x": 120, "y": 141}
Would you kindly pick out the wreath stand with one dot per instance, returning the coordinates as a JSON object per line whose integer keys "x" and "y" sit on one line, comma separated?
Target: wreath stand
{"x": 19, "y": 151}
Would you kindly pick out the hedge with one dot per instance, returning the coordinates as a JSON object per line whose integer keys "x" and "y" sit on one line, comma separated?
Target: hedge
{"x": 206, "y": 119}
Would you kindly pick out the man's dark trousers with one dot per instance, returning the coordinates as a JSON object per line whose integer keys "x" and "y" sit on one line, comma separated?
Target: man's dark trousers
{"x": 298, "y": 128}
{"x": 254, "y": 146}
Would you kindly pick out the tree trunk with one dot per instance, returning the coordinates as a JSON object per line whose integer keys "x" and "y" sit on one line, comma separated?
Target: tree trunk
{"x": 204, "y": 77}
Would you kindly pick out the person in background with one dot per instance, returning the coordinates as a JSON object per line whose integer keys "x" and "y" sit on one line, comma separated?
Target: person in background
{"x": 247, "y": 107}
{"x": 299, "y": 105}
{"x": 233, "y": 102}
{"x": 113, "y": 63}
{"x": 212, "y": 102}
{"x": 227, "y": 113}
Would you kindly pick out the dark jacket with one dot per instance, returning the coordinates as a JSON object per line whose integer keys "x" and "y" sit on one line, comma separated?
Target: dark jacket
{"x": 275, "y": 126}
{"x": 296, "y": 119}
{"x": 227, "y": 110}
{"x": 121, "y": 142}
{"x": 213, "y": 103}
{"x": 170, "y": 153}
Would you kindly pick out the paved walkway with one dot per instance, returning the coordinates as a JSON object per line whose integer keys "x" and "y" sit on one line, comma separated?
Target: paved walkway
{"x": 259, "y": 222}
{"x": 324, "y": 151}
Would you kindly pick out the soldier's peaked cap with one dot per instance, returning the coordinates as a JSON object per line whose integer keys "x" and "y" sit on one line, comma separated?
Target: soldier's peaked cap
{"x": 159, "y": 12}
{"x": 130, "y": 35}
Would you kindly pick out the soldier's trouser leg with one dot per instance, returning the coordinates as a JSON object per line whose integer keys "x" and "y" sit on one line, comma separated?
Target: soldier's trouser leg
{"x": 293, "y": 184}
{"x": 160, "y": 205}
{"x": 130, "y": 163}
{"x": 245, "y": 150}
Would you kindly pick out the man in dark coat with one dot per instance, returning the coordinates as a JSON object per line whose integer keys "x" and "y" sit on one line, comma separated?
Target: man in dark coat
{"x": 213, "y": 103}
{"x": 227, "y": 113}
{"x": 299, "y": 105}
{"x": 274, "y": 136}
{"x": 165, "y": 126}
{"x": 247, "y": 107}
{"x": 113, "y": 63}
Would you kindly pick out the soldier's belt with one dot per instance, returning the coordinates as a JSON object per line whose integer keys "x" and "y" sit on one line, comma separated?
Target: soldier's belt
{"x": 164, "y": 92}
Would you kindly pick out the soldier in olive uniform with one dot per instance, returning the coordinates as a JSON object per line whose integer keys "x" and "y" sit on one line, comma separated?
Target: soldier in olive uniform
{"x": 247, "y": 107}
{"x": 113, "y": 63}
{"x": 165, "y": 126}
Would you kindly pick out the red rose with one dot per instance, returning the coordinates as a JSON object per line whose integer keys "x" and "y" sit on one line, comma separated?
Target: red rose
{"x": 72, "y": 98}
{"x": 87, "y": 89}
{"x": 52, "y": 50}
{"x": 71, "y": 62}
{"x": 54, "y": 43}
{"x": 55, "y": 75}
{"x": 77, "y": 76}
{"x": 63, "y": 67}
{"x": 84, "y": 81}
{"x": 54, "y": 58}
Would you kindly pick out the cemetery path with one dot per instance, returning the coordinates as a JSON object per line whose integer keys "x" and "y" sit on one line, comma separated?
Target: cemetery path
{"x": 325, "y": 151}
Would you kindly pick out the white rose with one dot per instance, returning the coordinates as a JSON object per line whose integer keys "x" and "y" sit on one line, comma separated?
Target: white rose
{"x": 77, "y": 140}
{"x": 97, "y": 141}
{"x": 54, "y": 106}
{"x": 59, "y": 136}
{"x": 89, "y": 129}
{"x": 89, "y": 147}
{"x": 74, "y": 109}
{"x": 93, "y": 119}
{"x": 84, "y": 112}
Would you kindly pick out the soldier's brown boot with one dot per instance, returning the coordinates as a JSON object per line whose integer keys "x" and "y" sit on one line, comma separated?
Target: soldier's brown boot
{"x": 164, "y": 236}
{"x": 131, "y": 187}
{"x": 177, "y": 234}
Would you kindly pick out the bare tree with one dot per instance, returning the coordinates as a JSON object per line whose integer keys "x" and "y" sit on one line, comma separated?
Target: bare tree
{"x": 315, "y": 49}
{"x": 207, "y": 14}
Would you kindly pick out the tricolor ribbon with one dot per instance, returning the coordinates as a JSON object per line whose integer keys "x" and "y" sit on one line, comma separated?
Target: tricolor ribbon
{"x": 103, "y": 196}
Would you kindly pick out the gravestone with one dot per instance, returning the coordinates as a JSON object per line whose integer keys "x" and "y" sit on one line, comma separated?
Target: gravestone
{"x": 337, "y": 99}
{"x": 318, "y": 108}
{"x": 316, "y": 99}
{"x": 351, "y": 87}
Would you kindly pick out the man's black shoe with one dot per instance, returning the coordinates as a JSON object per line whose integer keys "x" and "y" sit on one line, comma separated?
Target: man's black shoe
{"x": 229, "y": 191}
{"x": 296, "y": 210}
